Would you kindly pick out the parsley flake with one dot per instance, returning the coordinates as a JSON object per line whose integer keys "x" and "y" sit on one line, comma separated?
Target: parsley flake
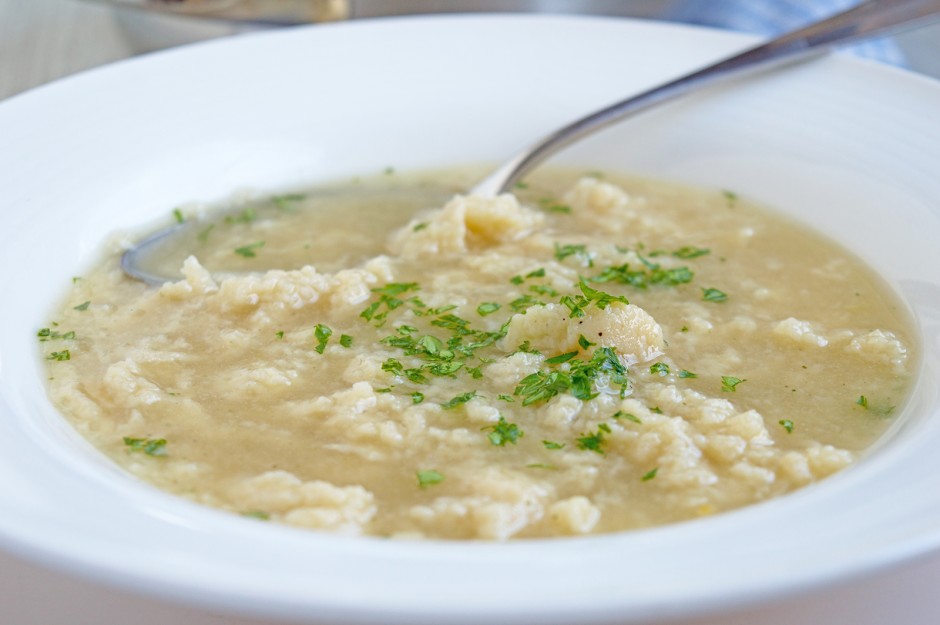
{"x": 787, "y": 425}
{"x": 729, "y": 383}
{"x": 83, "y": 306}
{"x": 322, "y": 333}
{"x": 458, "y": 400}
{"x": 659, "y": 368}
{"x": 649, "y": 474}
{"x": 620, "y": 414}
{"x": 504, "y": 432}
{"x": 487, "y": 308}
{"x": 564, "y": 251}
{"x": 248, "y": 251}
{"x": 714, "y": 295}
{"x": 429, "y": 477}
{"x": 149, "y": 446}
{"x": 689, "y": 251}
{"x": 594, "y": 442}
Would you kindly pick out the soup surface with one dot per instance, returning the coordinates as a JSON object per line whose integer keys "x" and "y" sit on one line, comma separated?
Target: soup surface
{"x": 591, "y": 354}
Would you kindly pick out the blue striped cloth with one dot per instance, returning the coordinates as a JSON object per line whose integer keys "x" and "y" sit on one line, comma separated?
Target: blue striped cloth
{"x": 773, "y": 17}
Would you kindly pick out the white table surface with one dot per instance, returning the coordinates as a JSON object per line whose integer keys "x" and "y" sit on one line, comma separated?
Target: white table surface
{"x": 41, "y": 40}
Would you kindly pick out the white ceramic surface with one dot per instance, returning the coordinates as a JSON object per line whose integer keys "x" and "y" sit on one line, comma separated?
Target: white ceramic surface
{"x": 844, "y": 145}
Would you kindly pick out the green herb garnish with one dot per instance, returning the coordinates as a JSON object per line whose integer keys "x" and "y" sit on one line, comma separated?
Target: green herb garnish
{"x": 458, "y": 400}
{"x": 729, "y": 383}
{"x": 564, "y": 251}
{"x": 248, "y": 251}
{"x": 503, "y": 432}
{"x": 659, "y": 368}
{"x": 429, "y": 477}
{"x": 714, "y": 295}
{"x": 322, "y": 333}
{"x": 594, "y": 442}
{"x": 620, "y": 414}
{"x": 149, "y": 446}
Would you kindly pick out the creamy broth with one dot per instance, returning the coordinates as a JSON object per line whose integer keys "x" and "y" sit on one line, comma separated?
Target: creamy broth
{"x": 607, "y": 353}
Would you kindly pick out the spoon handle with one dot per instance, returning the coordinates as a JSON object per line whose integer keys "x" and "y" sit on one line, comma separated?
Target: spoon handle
{"x": 868, "y": 19}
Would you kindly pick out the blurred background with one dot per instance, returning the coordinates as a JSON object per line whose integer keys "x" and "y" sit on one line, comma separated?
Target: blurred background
{"x": 41, "y": 40}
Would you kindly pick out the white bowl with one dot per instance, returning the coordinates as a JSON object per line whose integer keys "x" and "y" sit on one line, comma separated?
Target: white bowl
{"x": 844, "y": 145}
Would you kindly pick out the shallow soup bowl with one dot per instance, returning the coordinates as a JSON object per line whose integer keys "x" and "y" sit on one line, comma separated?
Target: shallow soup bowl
{"x": 843, "y": 145}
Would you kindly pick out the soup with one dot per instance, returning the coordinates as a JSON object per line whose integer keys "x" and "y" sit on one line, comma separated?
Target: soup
{"x": 593, "y": 353}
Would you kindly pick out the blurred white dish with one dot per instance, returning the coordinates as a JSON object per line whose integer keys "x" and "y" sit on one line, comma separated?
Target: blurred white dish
{"x": 841, "y": 144}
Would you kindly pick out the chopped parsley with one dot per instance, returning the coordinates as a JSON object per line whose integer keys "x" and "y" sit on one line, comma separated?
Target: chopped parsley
{"x": 714, "y": 295}
{"x": 659, "y": 368}
{"x": 248, "y": 251}
{"x": 552, "y": 205}
{"x": 48, "y": 334}
{"x": 557, "y": 360}
{"x": 553, "y": 445}
{"x": 526, "y": 301}
{"x": 652, "y": 273}
{"x": 388, "y": 298}
{"x": 429, "y": 477}
{"x": 620, "y": 414}
{"x": 787, "y": 425}
{"x": 248, "y": 215}
{"x": 203, "y": 234}
{"x": 594, "y": 442}
{"x": 487, "y": 308}
{"x": 149, "y": 446}
{"x": 420, "y": 226}
{"x": 862, "y": 401}
{"x": 564, "y": 251}
{"x": 687, "y": 374}
{"x": 279, "y": 334}
{"x": 83, "y": 306}
{"x": 580, "y": 379}
{"x": 60, "y": 356}
{"x": 345, "y": 340}
{"x": 729, "y": 383}
{"x": 322, "y": 333}
{"x": 417, "y": 398}
{"x": 458, "y": 400}
{"x": 286, "y": 202}
{"x": 178, "y": 216}
{"x": 259, "y": 515}
{"x": 650, "y": 474}
{"x": 689, "y": 252}
{"x": 504, "y": 432}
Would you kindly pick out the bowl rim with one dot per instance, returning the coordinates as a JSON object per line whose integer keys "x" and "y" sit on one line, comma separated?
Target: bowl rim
{"x": 232, "y": 586}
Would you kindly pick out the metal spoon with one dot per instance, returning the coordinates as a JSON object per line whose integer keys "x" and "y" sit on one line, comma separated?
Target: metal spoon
{"x": 868, "y": 19}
